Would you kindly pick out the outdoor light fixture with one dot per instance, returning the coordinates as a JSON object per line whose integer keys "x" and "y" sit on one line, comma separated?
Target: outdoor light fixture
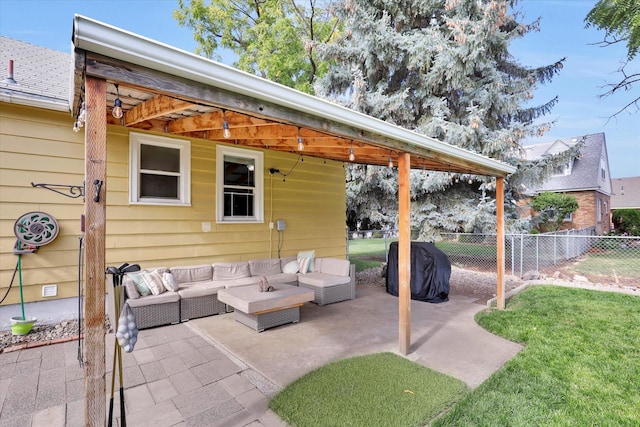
{"x": 117, "y": 105}
{"x": 352, "y": 155}
{"x": 225, "y": 126}
{"x": 300, "y": 141}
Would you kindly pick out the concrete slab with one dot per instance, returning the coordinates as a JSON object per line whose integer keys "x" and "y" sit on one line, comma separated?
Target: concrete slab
{"x": 444, "y": 337}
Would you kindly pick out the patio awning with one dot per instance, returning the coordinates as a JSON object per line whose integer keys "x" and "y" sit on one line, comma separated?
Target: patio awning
{"x": 168, "y": 90}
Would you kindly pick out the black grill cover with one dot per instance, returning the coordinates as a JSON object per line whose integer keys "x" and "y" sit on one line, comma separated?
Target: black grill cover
{"x": 430, "y": 272}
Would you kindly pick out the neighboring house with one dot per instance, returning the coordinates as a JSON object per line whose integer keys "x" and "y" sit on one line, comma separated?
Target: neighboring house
{"x": 626, "y": 193}
{"x": 586, "y": 177}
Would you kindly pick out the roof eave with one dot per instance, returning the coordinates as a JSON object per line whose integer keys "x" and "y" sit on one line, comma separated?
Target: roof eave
{"x": 95, "y": 36}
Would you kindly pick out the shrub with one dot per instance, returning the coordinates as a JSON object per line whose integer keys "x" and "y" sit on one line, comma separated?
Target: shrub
{"x": 627, "y": 221}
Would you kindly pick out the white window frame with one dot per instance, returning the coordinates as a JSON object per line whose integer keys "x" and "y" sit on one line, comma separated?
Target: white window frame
{"x": 603, "y": 169}
{"x": 184, "y": 176}
{"x": 258, "y": 208}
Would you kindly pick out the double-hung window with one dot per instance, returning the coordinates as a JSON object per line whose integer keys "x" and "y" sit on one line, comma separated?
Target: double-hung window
{"x": 239, "y": 189}
{"x": 159, "y": 170}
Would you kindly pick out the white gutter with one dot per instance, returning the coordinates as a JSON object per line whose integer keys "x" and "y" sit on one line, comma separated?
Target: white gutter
{"x": 104, "y": 39}
{"x": 35, "y": 102}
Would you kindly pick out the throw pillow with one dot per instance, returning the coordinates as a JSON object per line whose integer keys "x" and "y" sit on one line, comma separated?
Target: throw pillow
{"x": 169, "y": 282}
{"x": 130, "y": 287}
{"x": 307, "y": 254}
{"x": 290, "y": 267}
{"x": 153, "y": 281}
{"x": 303, "y": 265}
{"x": 141, "y": 285}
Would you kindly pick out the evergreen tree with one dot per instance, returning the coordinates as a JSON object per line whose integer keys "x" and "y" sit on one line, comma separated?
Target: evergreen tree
{"x": 443, "y": 69}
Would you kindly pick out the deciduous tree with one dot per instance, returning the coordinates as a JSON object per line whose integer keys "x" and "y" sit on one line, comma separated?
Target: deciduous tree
{"x": 275, "y": 39}
{"x": 620, "y": 19}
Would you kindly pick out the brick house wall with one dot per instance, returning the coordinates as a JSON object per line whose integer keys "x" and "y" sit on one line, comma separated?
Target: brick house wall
{"x": 585, "y": 216}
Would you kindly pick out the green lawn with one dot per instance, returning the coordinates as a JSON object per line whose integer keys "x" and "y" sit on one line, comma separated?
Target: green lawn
{"x": 374, "y": 390}
{"x": 609, "y": 264}
{"x": 580, "y": 366}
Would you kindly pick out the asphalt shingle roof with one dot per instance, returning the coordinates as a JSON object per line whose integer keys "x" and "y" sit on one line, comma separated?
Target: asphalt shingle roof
{"x": 40, "y": 73}
{"x": 626, "y": 193}
{"x": 585, "y": 173}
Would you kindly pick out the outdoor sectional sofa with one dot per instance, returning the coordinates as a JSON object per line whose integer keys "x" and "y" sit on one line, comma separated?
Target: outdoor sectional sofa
{"x": 194, "y": 289}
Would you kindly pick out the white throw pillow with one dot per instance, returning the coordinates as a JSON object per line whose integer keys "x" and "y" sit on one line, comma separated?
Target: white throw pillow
{"x": 290, "y": 267}
{"x": 153, "y": 279}
{"x": 169, "y": 282}
{"x": 307, "y": 254}
{"x": 303, "y": 264}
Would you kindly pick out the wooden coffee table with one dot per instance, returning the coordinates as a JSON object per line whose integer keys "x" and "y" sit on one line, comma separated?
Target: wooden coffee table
{"x": 262, "y": 310}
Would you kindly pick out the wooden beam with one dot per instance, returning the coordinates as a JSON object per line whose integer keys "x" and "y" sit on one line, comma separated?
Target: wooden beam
{"x": 157, "y": 106}
{"x": 500, "y": 249}
{"x": 404, "y": 252}
{"x": 173, "y": 86}
{"x": 94, "y": 277}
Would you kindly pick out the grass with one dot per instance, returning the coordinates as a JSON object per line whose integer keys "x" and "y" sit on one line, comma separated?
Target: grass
{"x": 368, "y": 253}
{"x": 580, "y": 366}
{"x": 608, "y": 264}
{"x": 374, "y": 390}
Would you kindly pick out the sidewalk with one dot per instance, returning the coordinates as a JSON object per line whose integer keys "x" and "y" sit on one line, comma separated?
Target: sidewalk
{"x": 174, "y": 377}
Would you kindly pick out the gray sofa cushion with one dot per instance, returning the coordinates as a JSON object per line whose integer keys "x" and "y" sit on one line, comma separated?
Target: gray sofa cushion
{"x": 335, "y": 266}
{"x": 322, "y": 280}
{"x": 244, "y": 281}
{"x": 283, "y": 279}
{"x": 230, "y": 270}
{"x": 265, "y": 267}
{"x": 201, "y": 289}
{"x": 193, "y": 273}
{"x": 163, "y": 298}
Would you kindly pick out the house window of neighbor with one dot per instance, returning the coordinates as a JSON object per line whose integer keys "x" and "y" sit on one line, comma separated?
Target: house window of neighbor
{"x": 159, "y": 170}
{"x": 603, "y": 170}
{"x": 599, "y": 210}
{"x": 239, "y": 188}
{"x": 568, "y": 217}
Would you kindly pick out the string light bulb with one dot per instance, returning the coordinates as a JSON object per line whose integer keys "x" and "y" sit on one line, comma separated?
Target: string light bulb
{"x": 117, "y": 105}
{"x": 390, "y": 162}
{"x": 226, "y": 133}
{"x": 352, "y": 155}
{"x": 300, "y": 141}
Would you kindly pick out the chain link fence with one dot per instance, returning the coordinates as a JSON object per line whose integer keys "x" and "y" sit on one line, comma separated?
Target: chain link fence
{"x": 601, "y": 259}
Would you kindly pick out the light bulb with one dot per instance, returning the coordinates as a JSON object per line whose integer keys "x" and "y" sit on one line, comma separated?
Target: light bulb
{"x": 390, "y": 162}
{"x": 117, "y": 109}
{"x": 300, "y": 144}
{"x": 352, "y": 155}
{"x": 225, "y": 130}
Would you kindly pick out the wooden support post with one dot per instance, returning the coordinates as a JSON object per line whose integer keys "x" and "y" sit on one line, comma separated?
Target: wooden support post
{"x": 404, "y": 252}
{"x": 500, "y": 255}
{"x": 94, "y": 277}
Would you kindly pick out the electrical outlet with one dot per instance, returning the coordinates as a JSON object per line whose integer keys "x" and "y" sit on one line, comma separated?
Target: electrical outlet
{"x": 271, "y": 226}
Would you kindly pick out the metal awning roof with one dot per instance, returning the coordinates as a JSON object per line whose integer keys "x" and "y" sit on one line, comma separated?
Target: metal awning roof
{"x": 168, "y": 90}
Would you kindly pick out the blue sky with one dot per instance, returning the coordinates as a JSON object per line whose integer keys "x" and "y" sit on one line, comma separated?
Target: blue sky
{"x": 579, "y": 112}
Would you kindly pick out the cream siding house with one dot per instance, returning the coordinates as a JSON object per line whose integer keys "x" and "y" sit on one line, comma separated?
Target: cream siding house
{"x": 38, "y": 145}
